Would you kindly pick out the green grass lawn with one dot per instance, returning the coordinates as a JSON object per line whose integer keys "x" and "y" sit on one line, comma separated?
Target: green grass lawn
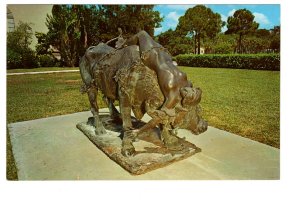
{"x": 244, "y": 102}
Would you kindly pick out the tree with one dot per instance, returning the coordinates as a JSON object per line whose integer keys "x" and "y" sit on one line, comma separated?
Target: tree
{"x": 262, "y": 33}
{"x": 43, "y": 44}
{"x": 200, "y": 22}
{"x": 275, "y": 30}
{"x": 64, "y": 32}
{"x": 175, "y": 43}
{"x": 241, "y": 23}
{"x": 275, "y": 42}
{"x": 131, "y": 18}
{"x": 19, "y": 54}
{"x": 221, "y": 44}
{"x": 72, "y": 28}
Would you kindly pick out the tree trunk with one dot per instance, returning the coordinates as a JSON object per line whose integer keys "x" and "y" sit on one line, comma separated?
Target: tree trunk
{"x": 240, "y": 44}
{"x": 85, "y": 37}
{"x": 195, "y": 44}
{"x": 198, "y": 43}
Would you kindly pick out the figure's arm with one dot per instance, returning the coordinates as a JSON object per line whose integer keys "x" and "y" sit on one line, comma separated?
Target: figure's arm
{"x": 171, "y": 99}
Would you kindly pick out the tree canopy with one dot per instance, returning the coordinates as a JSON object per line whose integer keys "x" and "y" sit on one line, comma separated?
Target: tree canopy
{"x": 241, "y": 23}
{"x": 200, "y": 22}
{"x": 175, "y": 42}
{"x": 72, "y": 28}
{"x": 19, "y": 54}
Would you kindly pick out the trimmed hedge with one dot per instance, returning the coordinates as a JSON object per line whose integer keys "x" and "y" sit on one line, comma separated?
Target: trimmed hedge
{"x": 236, "y": 61}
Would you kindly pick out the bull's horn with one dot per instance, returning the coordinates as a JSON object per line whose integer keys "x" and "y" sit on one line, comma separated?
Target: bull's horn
{"x": 120, "y": 31}
{"x": 109, "y": 41}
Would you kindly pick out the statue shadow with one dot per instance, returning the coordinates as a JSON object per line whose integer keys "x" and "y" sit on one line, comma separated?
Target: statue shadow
{"x": 152, "y": 136}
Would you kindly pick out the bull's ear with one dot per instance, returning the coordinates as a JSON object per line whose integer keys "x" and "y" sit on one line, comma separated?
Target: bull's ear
{"x": 199, "y": 89}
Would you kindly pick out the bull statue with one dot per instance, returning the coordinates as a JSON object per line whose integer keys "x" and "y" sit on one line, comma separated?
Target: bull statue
{"x": 143, "y": 81}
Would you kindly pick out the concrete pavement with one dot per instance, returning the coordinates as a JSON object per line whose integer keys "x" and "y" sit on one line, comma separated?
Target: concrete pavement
{"x": 43, "y": 72}
{"x": 54, "y": 149}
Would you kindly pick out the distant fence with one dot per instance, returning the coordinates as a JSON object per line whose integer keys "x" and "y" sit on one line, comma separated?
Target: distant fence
{"x": 236, "y": 61}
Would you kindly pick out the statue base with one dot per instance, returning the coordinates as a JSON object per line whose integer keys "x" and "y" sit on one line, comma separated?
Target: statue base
{"x": 150, "y": 153}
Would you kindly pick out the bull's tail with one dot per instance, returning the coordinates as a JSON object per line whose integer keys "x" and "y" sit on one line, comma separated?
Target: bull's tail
{"x": 84, "y": 67}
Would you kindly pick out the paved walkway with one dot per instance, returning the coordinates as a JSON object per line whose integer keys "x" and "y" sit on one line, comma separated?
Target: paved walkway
{"x": 43, "y": 72}
{"x": 54, "y": 149}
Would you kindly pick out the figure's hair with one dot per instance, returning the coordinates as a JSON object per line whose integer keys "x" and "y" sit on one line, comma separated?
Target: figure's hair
{"x": 190, "y": 96}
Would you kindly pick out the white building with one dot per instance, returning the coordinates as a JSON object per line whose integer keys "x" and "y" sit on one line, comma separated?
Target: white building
{"x": 30, "y": 13}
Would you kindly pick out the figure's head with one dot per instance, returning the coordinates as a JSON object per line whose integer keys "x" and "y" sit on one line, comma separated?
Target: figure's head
{"x": 190, "y": 96}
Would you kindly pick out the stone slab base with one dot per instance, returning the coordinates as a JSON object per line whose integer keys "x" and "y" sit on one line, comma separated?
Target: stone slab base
{"x": 150, "y": 151}
{"x": 54, "y": 149}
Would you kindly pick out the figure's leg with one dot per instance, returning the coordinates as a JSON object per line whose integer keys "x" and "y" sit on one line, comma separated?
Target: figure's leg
{"x": 92, "y": 94}
{"x": 168, "y": 138}
{"x": 157, "y": 117}
{"x": 171, "y": 99}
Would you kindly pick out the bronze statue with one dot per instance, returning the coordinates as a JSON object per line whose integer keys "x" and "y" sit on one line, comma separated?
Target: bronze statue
{"x": 170, "y": 78}
{"x": 140, "y": 74}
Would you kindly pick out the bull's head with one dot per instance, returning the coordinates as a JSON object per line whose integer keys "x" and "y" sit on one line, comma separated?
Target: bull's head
{"x": 190, "y": 116}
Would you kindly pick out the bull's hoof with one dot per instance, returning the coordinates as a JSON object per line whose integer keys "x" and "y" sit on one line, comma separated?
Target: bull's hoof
{"x": 128, "y": 151}
{"x": 174, "y": 146}
{"x": 127, "y": 146}
{"x": 173, "y": 143}
{"x": 202, "y": 126}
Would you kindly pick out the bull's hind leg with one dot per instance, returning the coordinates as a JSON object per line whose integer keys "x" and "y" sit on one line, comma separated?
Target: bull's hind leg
{"x": 114, "y": 113}
{"x": 92, "y": 94}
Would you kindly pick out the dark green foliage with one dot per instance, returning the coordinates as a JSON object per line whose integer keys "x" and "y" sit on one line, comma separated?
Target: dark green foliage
{"x": 275, "y": 42}
{"x": 47, "y": 60}
{"x": 221, "y": 44}
{"x": 19, "y": 54}
{"x": 223, "y": 48}
{"x": 13, "y": 59}
{"x": 73, "y": 28}
{"x": 175, "y": 43}
{"x": 241, "y": 23}
{"x": 200, "y": 22}
{"x": 21, "y": 59}
{"x": 130, "y": 18}
{"x": 236, "y": 61}
{"x": 43, "y": 44}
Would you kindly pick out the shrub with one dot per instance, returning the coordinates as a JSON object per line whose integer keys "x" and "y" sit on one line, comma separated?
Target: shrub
{"x": 13, "y": 59}
{"x": 46, "y": 60}
{"x": 237, "y": 61}
{"x": 21, "y": 59}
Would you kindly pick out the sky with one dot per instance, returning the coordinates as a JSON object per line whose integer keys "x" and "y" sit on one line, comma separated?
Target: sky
{"x": 267, "y": 15}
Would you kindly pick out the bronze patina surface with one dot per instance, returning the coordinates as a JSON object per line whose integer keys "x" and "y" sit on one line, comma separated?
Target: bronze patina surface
{"x": 141, "y": 75}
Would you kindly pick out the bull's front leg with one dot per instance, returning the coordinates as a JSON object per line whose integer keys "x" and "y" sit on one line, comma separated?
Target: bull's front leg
{"x": 92, "y": 94}
{"x": 125, "y": 108}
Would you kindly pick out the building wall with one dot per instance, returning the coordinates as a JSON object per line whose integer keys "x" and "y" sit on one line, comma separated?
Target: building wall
{"x": 31, "y": 13}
